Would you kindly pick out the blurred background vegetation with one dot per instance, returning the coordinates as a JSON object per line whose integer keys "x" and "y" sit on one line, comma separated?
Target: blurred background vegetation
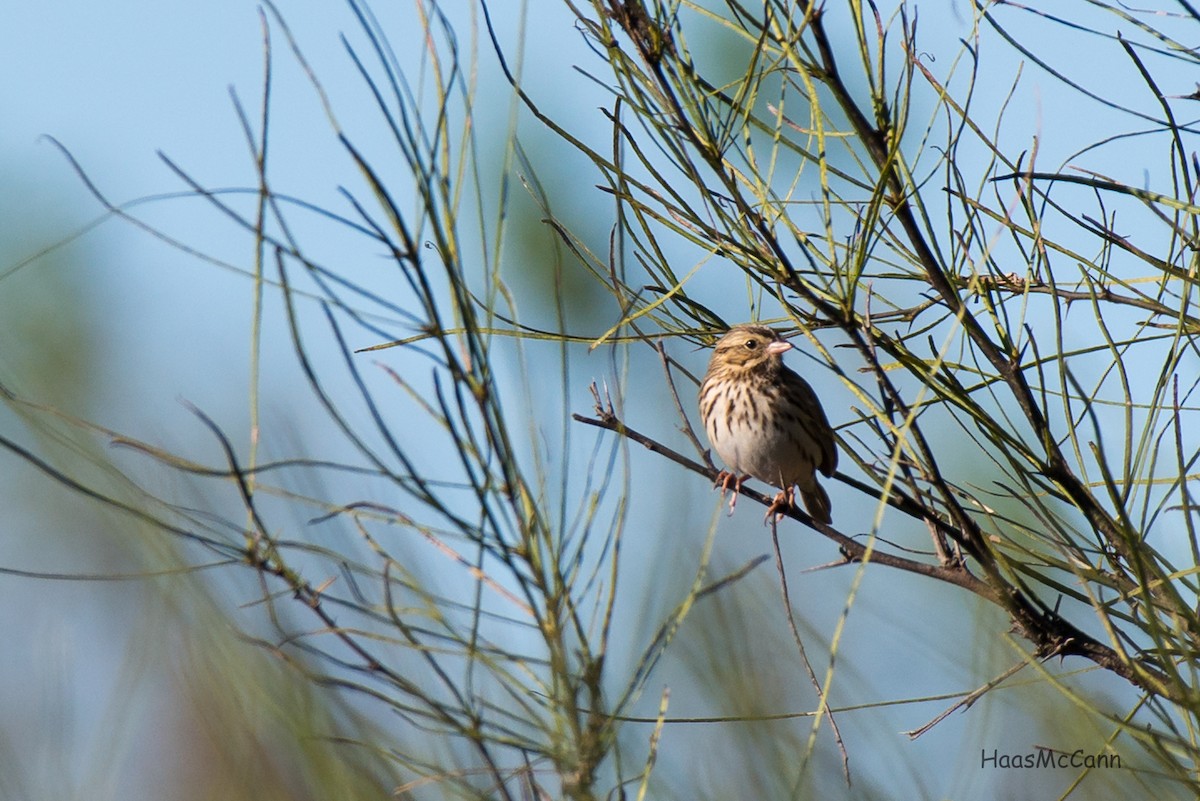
{"x": 296, "y": 505}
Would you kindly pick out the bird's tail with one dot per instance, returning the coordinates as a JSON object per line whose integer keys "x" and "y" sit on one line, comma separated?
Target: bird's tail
{"x": 816, "y": 501}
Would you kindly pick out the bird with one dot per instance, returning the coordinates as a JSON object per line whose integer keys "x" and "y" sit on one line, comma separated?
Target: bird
{"x": 766, "y": 422}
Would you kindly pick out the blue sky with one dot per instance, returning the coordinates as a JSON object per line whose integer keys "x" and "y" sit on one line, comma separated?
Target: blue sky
{"x": 118, "y": 82}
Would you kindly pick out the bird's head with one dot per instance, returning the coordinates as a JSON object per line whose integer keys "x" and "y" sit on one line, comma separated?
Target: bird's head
{"x": 750, "y": 348}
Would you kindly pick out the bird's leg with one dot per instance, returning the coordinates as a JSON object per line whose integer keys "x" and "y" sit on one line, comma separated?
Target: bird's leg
{"x": 723, "y": 480}
{"x": 785, "y": 500}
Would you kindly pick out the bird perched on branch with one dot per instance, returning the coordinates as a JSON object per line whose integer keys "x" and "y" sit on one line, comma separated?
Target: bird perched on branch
{"x": 765, "y": 421}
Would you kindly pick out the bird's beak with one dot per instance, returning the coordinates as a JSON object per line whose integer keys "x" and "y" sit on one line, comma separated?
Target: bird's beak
{"x": 781, "y": 346}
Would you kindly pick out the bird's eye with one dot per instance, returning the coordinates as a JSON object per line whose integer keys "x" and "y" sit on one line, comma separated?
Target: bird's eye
{"x": 751, "y": 344}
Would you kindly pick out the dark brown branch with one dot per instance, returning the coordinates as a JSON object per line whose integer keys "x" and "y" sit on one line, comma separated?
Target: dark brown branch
{"x": 1050, "y": 634}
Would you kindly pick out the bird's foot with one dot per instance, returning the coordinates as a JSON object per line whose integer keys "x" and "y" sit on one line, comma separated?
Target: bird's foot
{"x": 724, "y": 478}
{"x": 782, "y": 503}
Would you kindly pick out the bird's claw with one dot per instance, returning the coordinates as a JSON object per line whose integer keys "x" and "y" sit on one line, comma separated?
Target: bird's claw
{"x": 723, "y": 480}
{"x": 782, "y": 503}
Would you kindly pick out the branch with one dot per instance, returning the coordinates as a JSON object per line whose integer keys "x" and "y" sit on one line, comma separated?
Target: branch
{"x": 1050, "y": 634}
